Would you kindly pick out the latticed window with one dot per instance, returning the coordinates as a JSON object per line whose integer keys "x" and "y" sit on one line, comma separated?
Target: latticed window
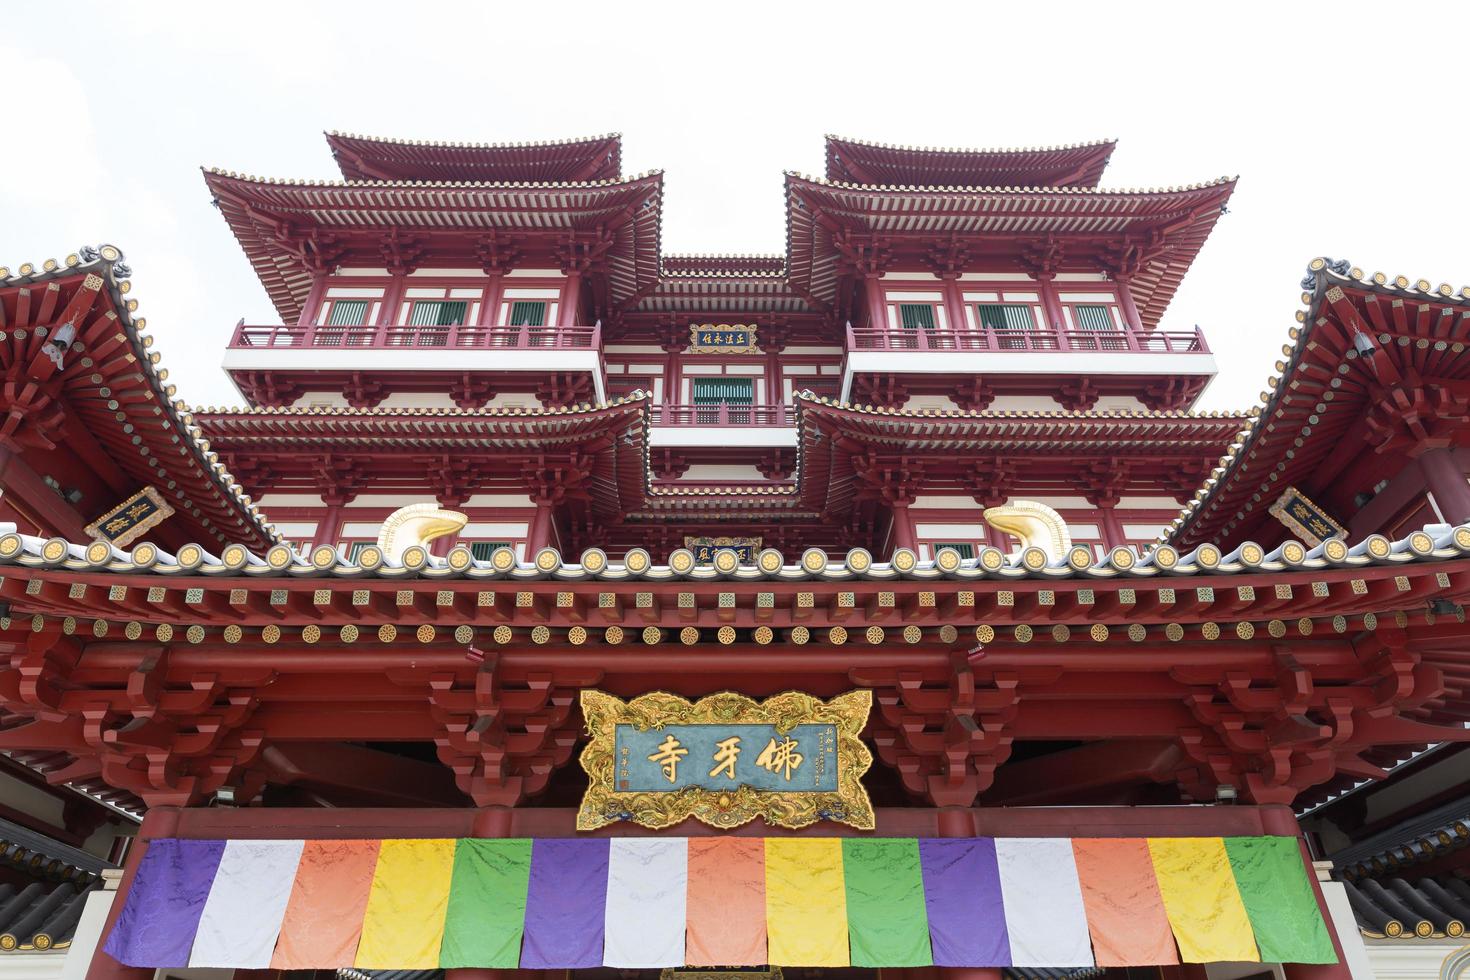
{"x": 965, "y": 548}
{"x": 735, "y": 394}
{"x": 482, "y": 550}
{"x": 436, "y": 313}
{"x": 1094, "y": 318}
{"x": 1006, "y": 316}
{"x": 916, "y": 316}
{"x": 354, "y": 550}
{"x": 528, "y": 313}
{"x": 347, "y": 313}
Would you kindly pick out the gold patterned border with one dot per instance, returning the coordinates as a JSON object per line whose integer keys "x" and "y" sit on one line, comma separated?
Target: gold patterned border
{"x": 162, "y": 512}
{"x": 671, "y": 973}
{"x": 602, "y": 804}
{"x": 695, "y": 347}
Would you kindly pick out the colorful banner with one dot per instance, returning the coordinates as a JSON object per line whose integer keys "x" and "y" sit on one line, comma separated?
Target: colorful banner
{"x": 637, "y": 902}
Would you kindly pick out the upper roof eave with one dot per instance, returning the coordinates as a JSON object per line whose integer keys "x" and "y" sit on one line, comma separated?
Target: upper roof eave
{"x": 1076, "y": 164}
{"x": 360, "y": 156}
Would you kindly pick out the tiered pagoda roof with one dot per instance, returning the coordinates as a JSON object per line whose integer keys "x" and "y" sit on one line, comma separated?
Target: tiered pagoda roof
{"x": 1377, "y": 366}
{"x": 751, "y": 284}
{"x": 1151, "y": 236}
{"x": 571, "y": 160}
{"x": 859, "y": 162}
{"x": 291, "y": 229}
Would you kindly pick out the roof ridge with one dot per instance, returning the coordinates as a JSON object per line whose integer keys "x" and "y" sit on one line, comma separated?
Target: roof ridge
{"x": 988, "y": 414}
{"x": 464, "y": 184}
{"x": 463, "y": 145}
{"x": 982, "y": 189}
{"x": 1086, "y": 144}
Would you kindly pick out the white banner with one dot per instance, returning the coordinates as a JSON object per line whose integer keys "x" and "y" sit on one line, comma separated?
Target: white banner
{"x": 242, "y": 915}
{"x": 1045, "y": 917}
{"x": 647, "y": 889}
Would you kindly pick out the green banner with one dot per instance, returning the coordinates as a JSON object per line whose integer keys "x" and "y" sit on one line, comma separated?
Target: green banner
{"x": 887, "y": 922}
{"x": 1279, "y": 900}
{"x": 487, "y": 904}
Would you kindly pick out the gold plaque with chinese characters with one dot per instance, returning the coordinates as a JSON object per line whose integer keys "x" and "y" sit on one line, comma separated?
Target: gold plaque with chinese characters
{"x": 131, "y": 519}
{"x": 1304, "y": 518}
{"x": 722, "y": 338}
{"x": 726, "y": 759}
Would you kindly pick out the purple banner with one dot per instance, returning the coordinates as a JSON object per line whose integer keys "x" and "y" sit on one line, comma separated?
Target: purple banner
{"x": 967, "y": 920}
{"x": 157, "y": 924}
{"x": 566, "y": 904}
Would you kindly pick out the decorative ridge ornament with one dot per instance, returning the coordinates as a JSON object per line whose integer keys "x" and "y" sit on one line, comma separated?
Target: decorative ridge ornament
{"x": 725, "y": 759}
{"x": 416, "y": 524}
{"x": 1036, "y": 524}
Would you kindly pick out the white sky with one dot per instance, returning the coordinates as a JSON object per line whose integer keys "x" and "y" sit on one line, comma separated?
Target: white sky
{"x": 1346, "y": 125}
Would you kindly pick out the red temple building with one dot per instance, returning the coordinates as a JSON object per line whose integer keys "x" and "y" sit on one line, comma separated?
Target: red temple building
{"x": 938, "y": 454}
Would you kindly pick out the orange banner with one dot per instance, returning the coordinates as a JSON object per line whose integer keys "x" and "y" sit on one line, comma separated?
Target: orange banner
{"x": 323, "y": 920}
{"x": 1125, "y": 912}
{"x": 726, "y": 914}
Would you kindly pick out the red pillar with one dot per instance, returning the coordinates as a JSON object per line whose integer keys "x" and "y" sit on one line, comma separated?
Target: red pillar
{"x": 1279, "y": 821}
{"x": 490, "y": 309}
{"x": 162, "y": 821}
{"x": 539, "y": 532}
{"x": 1125, "y": 300}
{"x": 1445, "y": 479}
{"x": 903, "y": 529}
{"x": 954, "y": 302}
{"x": 313, "y": 304}
{"x": 1046, "y": 285}
{"x": 1112, "y": 528}
{"x": 877, "y": 308}
{"x": 570, "y": 298}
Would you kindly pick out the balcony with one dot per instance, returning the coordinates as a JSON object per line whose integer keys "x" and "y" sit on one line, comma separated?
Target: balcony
{"x": 457, "y": 336}
{"x": 1033, "y": 341}
{"x": 1117, "y": 362}
{"x": 724, "y": 425}
{"x": 321, "y": 350}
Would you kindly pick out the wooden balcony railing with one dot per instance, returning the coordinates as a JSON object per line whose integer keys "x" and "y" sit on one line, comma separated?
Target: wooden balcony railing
{"x": 1050, "y": 341}
{"x": 457, "y": 337}
{"x": 743, "y": 415}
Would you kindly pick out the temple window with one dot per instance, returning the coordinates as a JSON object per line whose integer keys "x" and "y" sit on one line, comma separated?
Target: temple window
{"x": 916, "y": 316}
{"x": 528, "y": 314}
{"x": 1007, "y": 320}
{"x": 347, "y": 313}
{"x": 722, "y": 399}
{"x": 1094, "y": 318}
{"x": 965, "y": 548}
{"x": 482, "y": 550}
{"x": 436, "y": 313}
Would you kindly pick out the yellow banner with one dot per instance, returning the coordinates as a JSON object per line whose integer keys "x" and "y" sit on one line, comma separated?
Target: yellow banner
{"x": 806, "y": 902}
{"x": 405, "y": 912}
{"x": 1201, "y": 899}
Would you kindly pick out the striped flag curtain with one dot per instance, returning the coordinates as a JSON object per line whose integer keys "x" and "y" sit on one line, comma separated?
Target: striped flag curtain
{"x": 649, "y": 902}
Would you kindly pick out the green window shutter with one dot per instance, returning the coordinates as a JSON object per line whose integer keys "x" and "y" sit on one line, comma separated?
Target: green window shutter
{"x": 1006, "y": 316}
{"x": 965, "y": 548}
{"x": 1094, "y": 318}
{"x": 451, "y": 314}
{"x": 348, "y": 313}
{"x": 723, "y": 391}
{"x": 424, "y": 313}
{"x": 482, "y": 550}
{"x": 527, "y": 314}
{"x": 916, "y": 316}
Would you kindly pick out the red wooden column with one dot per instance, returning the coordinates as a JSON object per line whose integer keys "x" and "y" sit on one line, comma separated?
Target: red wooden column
{"x": 954, "y": 302}
{"x": 161, "y": 821}
{"x": 570, "y": 297}
{"x": 313, "y": 304}
{"x": 1125, "y": 300}
{"x": 1278, "y": 820}
{"x": 539, "y": 531}
{"x": 903, "y": 529}
{"x": 1046, "y": 286}
{"x": 490, "y": 308}
{"x": 1445, "y": 479}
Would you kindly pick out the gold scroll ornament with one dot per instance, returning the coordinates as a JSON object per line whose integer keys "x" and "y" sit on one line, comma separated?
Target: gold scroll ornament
{"x": 603, "y": 804}
{"x": 131, "y": 519}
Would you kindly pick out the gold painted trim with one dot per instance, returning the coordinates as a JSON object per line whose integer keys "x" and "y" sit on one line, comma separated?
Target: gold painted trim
{"x": 1278, "y": 511}
{"x": 162, "y": 512}
{"x": 602, "y": 805}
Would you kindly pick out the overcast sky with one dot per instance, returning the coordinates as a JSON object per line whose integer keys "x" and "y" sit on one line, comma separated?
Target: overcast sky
{"x": 1346, "y": 125}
